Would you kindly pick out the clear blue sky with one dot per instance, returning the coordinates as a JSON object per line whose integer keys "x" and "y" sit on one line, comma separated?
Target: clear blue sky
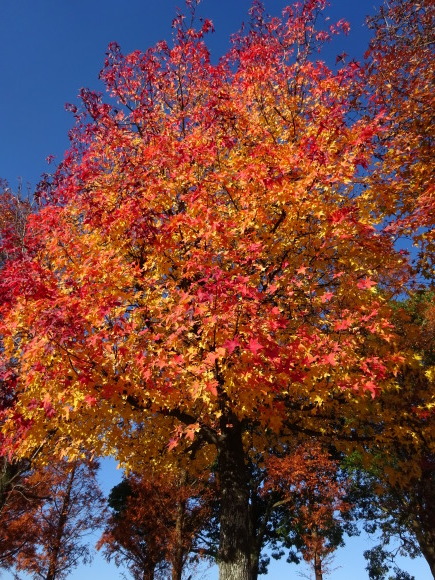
{"x": 52, "y": 48}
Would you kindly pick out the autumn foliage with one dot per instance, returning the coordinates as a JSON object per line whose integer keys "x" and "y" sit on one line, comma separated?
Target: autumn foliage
{"x": 207, "y": 274}
{"x": 205, "y": 252}
{"x": 401, "y": 474}
{"x": 314, "y": 494}
{"x": 401, "y": 72}
{"x": 46, "y": 517}
{"x": 155, "y": 523}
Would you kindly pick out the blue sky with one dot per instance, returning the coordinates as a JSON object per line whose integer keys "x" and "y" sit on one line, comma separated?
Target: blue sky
{"x": 52, "y": 48}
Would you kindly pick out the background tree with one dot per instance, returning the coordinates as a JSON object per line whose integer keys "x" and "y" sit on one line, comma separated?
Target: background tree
{"x": 313, "y": 493}
{"x": 397, "y": 488}
{"x": 155, "y": 523}
{"x": 401, "y": 72}
{"x": 66, "y": 507}
{"x": 206, "y": 274}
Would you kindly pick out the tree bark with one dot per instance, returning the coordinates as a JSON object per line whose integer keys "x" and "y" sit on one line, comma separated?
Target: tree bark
{"x": 422, "y": 515}
{"x": 426, "y": 541}
{"x": 318, "y": 573}
{"x": 254, "y": 567}
{"x": 60, "y": 529}
{"x": 148, "y": 572}
{"x": 235, "y": 532}
{"x": 177, "y": 562}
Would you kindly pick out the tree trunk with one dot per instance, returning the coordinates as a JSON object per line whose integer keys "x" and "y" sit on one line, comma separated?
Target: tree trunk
{"x": 426, "y": 541}
{"x": 235, "y": 533}
{"x": 317, "y": 560}
{"x": 318, "y": 567}
{"x": 53, "y": 561}
{"x": 178, "y": 556}
{"x": 148, "y": 572}
{"x": 254, "y": 567}
{"x": 422, "y": 512}
{"x": 256, "y": 533}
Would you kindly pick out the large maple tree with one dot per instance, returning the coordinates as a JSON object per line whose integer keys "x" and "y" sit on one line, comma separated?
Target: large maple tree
{"x": 205, "y": 273}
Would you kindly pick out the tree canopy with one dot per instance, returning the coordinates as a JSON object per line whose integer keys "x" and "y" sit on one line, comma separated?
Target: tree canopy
{"x": 208, "y": 276}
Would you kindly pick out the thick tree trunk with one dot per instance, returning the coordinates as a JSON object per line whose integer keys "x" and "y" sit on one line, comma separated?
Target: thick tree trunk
{"x": 148, "y": 572}
{"x": 426, "y": 543}
{"x": 422, "y": 512}
{"x": 10, "y": 474}
{"x": 235, "y": 529}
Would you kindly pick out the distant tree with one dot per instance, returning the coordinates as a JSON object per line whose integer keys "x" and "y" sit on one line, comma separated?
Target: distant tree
{"x": 401, "y": 73}
{"x": 394, "y": 485}
{"x": 15, "y": 207}
{"x": 155, "y": 524}
{"x": 313, "y": 499}
{"x": 398, "y": 488}
{"x": 380, "y": 564}
{"x": 56, "y": 508}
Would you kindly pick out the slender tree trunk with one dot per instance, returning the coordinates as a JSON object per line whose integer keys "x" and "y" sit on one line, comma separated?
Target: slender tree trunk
{"x": 235, "y": 532}
{"x": 318, "y": 567}
{"x": 177, "y": 563}
{"x": 256, "y": 537}
{"x": 317, "y": 561}
{"x": 259, "y": 515}
{"x": 254, "y": 567}
{"x": 60, "y": 528}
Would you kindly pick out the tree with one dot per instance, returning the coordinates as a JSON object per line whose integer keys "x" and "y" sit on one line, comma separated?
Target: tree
{"x": 314, "y": 494}
{"x": 400, "y": 73}
{"x": 395, "y": 489}
{"x": 61, "y": 504}
{"x": 14, "y": 212}
{"x": 205, "y": 276}
{"x": 17, "y": 497}
{"x": 20, "y": 499}
{"x": 155, "y": 523}
{"x": 39, "y": 528}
